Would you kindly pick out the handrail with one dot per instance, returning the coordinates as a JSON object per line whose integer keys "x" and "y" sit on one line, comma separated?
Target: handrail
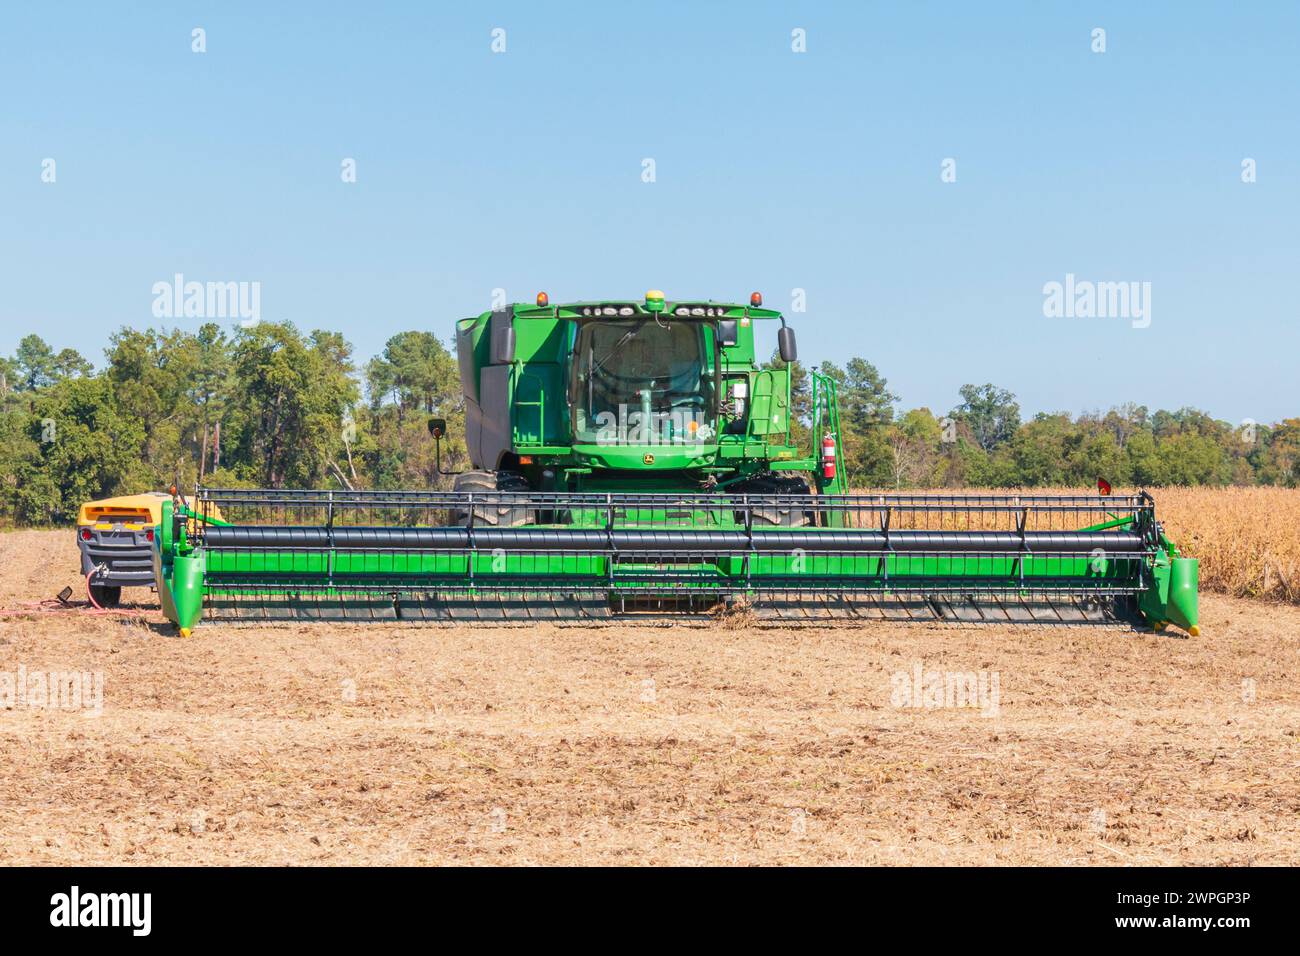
{"x": 826, "y": 418}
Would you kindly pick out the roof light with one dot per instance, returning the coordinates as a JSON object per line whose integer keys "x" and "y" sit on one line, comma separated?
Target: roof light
{"x": 626, "y": 310}
{"x": 756, "y": 299}
{"x": 543, "y": 299}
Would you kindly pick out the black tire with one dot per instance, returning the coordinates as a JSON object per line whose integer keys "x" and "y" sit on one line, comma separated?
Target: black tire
{"x": 489, "y": 510}
{"x": 106, "y": 595}
{"x": 792, "y": 515}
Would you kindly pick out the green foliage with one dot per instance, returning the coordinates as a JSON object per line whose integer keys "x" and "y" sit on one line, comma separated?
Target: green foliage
{"x": 865, "y": 399}
{"x": 297, "y": 396}
{"x": 1276, "y": 454}
{"x": 70, "y": 445}
{"x": 989, "y": 446}
{"x": 35, "y": 365}
{"x": 415, "y": 377}
{"x": 271, "y": 406}
{"x": 414, "y": 372}
{"x": 915, "y": 450}
{"x": 991, "y": 414}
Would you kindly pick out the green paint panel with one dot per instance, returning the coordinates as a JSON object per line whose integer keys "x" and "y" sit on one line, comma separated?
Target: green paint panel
{"x": 859, "y": 571}
{"x": 539, "y": 406}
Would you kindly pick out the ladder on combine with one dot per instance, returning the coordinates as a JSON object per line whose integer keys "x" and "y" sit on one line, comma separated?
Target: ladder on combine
{"x": 826, "y": 421}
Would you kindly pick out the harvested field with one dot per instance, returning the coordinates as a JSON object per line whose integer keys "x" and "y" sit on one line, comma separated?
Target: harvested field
{"x": 346, "y": 744}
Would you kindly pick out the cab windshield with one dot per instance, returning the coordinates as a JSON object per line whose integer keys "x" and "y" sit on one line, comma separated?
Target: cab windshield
{"x": 643, "y": 381}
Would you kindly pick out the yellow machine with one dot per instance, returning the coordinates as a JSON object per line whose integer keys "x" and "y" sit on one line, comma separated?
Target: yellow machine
{"x": 115, "y": 536}
{"x": 116, "y": 540}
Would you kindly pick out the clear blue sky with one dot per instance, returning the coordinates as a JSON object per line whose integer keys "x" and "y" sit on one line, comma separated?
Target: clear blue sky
{"x": 775, "y": 170}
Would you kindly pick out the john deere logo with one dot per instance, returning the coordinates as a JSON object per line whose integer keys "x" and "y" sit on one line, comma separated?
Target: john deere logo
{"x": 649, "y": 459}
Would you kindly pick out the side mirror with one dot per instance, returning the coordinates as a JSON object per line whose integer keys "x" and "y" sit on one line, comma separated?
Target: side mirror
{"x": 438, "y": 428}
{"x": 728, "y": 332}
{"x": 785, "y": 342}
{"x": 503, "y": 346}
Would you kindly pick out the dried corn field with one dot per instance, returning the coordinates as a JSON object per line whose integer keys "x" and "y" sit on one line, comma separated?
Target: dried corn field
{"x": 1247, "y": 539}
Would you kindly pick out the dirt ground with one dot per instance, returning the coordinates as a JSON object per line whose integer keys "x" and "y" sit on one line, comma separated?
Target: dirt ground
{"x": 637, "y": 744}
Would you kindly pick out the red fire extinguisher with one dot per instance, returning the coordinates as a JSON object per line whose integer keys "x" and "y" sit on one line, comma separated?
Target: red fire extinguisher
{"x": 828, "y": 457}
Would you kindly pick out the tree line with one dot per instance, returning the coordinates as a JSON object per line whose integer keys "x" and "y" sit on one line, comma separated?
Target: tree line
{"x": 272, "y": 406}
{"x": 985, "y": 442}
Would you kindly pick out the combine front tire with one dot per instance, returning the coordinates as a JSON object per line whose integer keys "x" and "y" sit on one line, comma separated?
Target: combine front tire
{"x": 489, "y": 509}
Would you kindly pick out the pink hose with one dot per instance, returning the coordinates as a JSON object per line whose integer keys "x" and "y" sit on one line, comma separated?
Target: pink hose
{"x": 27, "y": 607}
{"x": 91, "y": 594}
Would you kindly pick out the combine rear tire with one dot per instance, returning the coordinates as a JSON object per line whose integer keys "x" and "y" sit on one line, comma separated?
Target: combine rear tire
{"x": 106, "y": 595}
{"x": 488, "y": 509}
{"x": 777, "y": 516}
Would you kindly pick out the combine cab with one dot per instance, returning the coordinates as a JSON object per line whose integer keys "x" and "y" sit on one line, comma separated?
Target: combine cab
{"x": 633, "y": 458}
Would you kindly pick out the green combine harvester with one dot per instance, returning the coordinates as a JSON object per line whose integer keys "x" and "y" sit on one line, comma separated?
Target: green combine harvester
{"x": 635, "y": 458}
